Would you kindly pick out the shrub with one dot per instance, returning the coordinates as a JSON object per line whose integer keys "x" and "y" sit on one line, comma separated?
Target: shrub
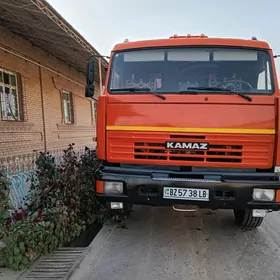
{"x": 4, "y": 207}
{"x": 61, "y": 204}
{"x": 4, "y": 201}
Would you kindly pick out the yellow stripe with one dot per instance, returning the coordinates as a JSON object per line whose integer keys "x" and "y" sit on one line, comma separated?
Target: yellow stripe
{"x": 192, "y": 129}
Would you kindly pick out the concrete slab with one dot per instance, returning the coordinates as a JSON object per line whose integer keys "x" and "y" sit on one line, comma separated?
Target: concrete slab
{"x": 160, "y": 243}
{"x": 96, "y": 247}
{"x": 7, "y": 274}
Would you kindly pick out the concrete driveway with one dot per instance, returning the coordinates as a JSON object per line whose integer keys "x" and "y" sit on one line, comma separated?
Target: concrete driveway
{"x": 159, "y": 243}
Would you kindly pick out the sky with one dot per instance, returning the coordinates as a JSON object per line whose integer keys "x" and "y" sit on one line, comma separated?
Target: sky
{"x": 107, "y": 22}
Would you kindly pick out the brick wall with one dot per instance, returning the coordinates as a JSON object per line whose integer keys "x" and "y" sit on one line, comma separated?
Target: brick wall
{"x": 21, "y": 137}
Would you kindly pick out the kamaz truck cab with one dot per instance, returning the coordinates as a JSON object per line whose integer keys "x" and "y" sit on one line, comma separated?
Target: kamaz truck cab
{"x": 190, "y": 122}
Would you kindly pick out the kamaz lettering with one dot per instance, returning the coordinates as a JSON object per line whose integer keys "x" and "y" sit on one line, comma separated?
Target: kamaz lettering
{"x": 187, "y": 145}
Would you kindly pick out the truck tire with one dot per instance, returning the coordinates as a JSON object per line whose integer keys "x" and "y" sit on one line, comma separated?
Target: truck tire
{"x": 245, "y": 219}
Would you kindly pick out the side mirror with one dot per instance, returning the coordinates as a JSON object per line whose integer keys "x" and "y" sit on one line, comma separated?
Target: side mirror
{"x": 90, "y": 78}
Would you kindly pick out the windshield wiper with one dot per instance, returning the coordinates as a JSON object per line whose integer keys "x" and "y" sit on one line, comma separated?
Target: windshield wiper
{"x": 139, "y": 90}
{"x": 221, "y": 90}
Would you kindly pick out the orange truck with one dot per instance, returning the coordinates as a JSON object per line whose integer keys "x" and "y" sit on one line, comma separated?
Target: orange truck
{"x": 189, "y": 122}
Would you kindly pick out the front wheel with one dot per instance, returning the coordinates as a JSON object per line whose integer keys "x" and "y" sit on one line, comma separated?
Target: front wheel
{"x": 245, "y": 219}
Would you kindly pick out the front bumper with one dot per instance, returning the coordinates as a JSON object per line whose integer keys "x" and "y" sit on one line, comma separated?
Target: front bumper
{"x": 226, "y": 190}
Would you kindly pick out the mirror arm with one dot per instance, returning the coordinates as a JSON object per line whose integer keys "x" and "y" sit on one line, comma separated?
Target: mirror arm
{"x": 93, "y": 98}
{"x": 102, "y": 56}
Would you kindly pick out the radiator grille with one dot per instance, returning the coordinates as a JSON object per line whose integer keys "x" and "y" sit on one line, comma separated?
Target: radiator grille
{"x": 225, "y": 150}
{"x": 216, "y": 153}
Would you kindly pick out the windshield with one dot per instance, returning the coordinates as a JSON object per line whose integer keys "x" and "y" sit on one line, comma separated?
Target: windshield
{"x": 174, "y": 70}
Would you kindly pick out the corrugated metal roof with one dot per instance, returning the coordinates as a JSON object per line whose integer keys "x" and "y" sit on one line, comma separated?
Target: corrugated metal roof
{"x": 44, "y": 27}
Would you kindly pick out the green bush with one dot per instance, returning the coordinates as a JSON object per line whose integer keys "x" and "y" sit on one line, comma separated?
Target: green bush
{"x": 4, "y": 206}
{"x": 4, "y": 201}
{"x": 61, "y": 204}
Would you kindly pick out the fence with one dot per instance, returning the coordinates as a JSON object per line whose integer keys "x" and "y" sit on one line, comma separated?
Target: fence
{"x": 20, "y": 170}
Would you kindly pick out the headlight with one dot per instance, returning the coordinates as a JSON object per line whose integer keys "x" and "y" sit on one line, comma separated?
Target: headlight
{"x": 113, "y": 187}
{"x": 263, "y": 195}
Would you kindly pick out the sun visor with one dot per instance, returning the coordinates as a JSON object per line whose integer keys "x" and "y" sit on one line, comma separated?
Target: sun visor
{"x": 138, "y": 56}
{"x": 188, "y": 55}
{"x": 235, "y": 55}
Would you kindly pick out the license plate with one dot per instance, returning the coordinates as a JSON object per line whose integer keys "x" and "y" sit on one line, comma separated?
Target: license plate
{"x": 186, "y": 194}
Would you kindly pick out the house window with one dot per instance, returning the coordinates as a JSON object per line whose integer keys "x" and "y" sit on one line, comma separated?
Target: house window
{"x": 9, "y": 96}
{"x": 67, "y": 105}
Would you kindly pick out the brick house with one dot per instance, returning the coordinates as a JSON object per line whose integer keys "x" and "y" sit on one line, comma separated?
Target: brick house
{"x": 42, "y": 77}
